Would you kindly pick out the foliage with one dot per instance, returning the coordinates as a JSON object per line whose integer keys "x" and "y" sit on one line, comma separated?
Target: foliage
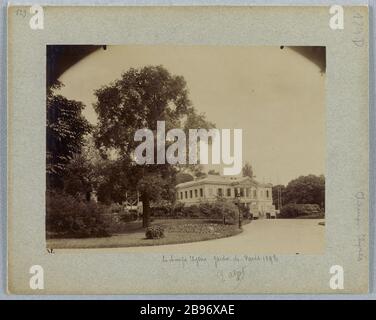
{"x": 224, "y": 209}
{"x": 115, "y": 208}
{"x": 191, "y": 211}
{"x": 247, "y": 170}
{"x": 182, "y": 177}
{"x": 139, "y": 99}
{"x": 161, "y": 210}
{"x": 124, "y": 214}
{"x": 113, "y": 182}
{"x": 300, "y": 210}
{"x": 178, "y": 209}
{"x": 76, "y": 180}
{"x": 66, "y": 128}
{"x": 88, "y": 171}
{"x": 213, "y": 172}
{"x": 205, "y": 208}
{"x": 129, "y": 215}
{"x": 219, "y": 209}
{"x": 200, "y": 175}
{"x": 303, "y": 190}
{"x": 208, "y": 227}
{"x": 306, "y": 189}
{"x": 68, "y": 216}
{"x": 154, "y": 232}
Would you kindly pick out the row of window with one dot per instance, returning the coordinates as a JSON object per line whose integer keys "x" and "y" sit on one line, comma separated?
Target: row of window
{"x": 243, "y": 192}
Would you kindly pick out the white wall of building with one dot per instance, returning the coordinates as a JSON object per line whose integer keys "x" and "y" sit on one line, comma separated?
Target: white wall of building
{"x": 258, "y": 198}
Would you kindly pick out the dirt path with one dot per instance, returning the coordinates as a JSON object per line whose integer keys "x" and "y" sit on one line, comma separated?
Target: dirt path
{"x": 280, "y": 236}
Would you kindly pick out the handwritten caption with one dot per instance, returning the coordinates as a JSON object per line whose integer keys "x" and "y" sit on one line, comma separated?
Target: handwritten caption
{"x": 232, "y": 269}
{"x": 358, "y": 29}
{"x": 361, "y": 237}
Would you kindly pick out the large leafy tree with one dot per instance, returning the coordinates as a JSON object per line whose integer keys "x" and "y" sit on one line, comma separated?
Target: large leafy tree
{"x": 87, "y": 171}
{"x": 66, "y": 128}
{"x": 137, "y": 100}
{"x": 306, "y": 190}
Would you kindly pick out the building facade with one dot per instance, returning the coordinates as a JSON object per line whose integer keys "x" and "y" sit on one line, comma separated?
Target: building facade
{"x": 257, "y": 197}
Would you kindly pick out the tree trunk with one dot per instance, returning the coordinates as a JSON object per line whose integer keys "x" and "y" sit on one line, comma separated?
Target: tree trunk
{"x": 145, "y": 211}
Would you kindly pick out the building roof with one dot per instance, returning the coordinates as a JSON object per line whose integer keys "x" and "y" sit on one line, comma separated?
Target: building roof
{"x": 224, "y": 180}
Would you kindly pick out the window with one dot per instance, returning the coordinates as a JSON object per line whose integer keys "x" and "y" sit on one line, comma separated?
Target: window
{"x": 247, "y": 192}
{"x": 267, "y": 193}
{"x": 254, "y": 194}
{"x": 242, "y": 192}
{"x": 196, "y": 193}
{"x": 236, "y": 191}
{"x": 220, "y": 192}
{"x": 186, "y": 194}
{"x": 181, "y": 195}
{"x": 190, "y": 194}
{"x": 229, "y": 192}
{"x": 201, "y": 192}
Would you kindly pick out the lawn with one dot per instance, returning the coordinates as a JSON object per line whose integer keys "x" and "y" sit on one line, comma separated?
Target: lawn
{"x": 132, "y": 234}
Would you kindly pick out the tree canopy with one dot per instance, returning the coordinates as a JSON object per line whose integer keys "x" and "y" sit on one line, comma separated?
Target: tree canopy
{"x": 66, "y": 129}
{"x": 308, "y": 189}
{"x": 137, "y": 100}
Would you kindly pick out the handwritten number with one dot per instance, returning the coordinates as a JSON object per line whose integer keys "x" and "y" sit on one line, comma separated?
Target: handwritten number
{"x": 21, "y": 12}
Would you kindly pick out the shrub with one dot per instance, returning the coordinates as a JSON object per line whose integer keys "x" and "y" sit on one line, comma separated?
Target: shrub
{"x": 129, "y": 216}
{"x": 178, "y": 209}
{"x": 205, "y": 209}
{"x": 191, "y": 211}
{"x": 67, "y": 216}
{"x": 290, "y": 211}
{"x": 225, "y": 210}
{"x": 220, "y": 209}
{"x": 161, "y": 211}
{"x": 293, "y": 210}
{"x": 154, "y": 232}
{"x": 311, "y": 209}
{"x": 115, "y": 208}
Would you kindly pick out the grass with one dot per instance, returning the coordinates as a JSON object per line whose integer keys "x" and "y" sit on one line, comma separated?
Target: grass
{"x": 132, "y": 234}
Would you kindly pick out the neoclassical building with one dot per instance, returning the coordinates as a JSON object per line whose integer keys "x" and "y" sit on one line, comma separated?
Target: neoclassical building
{"x": 255, "y": 195}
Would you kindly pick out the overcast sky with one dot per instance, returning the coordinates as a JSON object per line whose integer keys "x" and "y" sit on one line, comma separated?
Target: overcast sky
{"x": 276, "y": 96}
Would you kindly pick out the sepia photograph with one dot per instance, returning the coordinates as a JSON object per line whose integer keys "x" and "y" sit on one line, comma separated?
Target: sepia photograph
{"x": 164, "y": 150}
{"x": 188, "y": 148}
